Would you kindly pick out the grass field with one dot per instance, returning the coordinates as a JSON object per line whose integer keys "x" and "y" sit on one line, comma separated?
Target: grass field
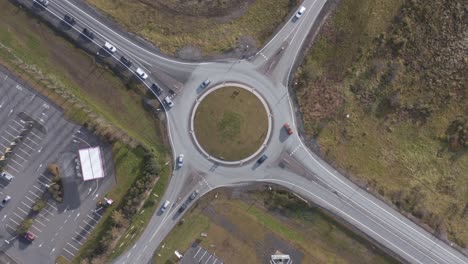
{"x": 246, "y": 230}
{"x": 213, "y": 26}
{"x": 385, "y": 109}
{"x": 231, "y": 123}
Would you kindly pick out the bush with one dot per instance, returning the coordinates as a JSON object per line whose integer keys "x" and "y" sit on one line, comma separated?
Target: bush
{"x": 54, "y": 170}
{"x": 39, "y": 204}
{"x": 24, "y": 226}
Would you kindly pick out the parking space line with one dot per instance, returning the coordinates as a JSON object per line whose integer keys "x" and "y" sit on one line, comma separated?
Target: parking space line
{"x": 84, "y": 229}
{"x": 72, "y": 246}
{"x": 18, "y": 123}
{"x": 32, "y": 141}
{"x": 9, "y": 166}
{"x": 79, "y": 235}
{"x": 69, "y": 252}
{"x": 10, "y": 133}
{"x": 44, "y": 178}
{"x": 13, "y": 221}
{"x": 45, "y": 209}
{"x": 74, "y": 239}
{"x": 6, "y": 139}
{"x": 18, "y": 216}
{"x": 24, "y": 143}
{"x": 37, "y": 196}
{"x": 17, "y": 155}
{"x": 14, "y": 128}
{"x": 44, "y": 217}
{"x": 96, "y": 214}
{"x": 52, "y": 206}
{"x": 10, "y": 227}
{"x": 32, "y": 233}
{"x": 19, "y": 148}
{"x": 19, "y": 164}
{"x": 22, "y": 210}
{"x": 26, "y": 205}
{"x": 29, "y": 199}
{"x": 32, "y": 133}
{"x": 37, "y": 188}
{"x": 88, "y": 224}
{"x": 37, "y": 220}
{"x": 3, "y": 145}
{"x": 37, "y": 228}
{"x": 95, "y": 221}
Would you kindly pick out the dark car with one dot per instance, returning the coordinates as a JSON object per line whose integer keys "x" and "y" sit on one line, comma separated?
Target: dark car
{"x": 126, "y": 61}
{"x": 193, "y": 195}
{"x": 183, "y": 207}
{"x": 69, "y": 19}
{"x": 288, "y": 129}
{"x": 262, "y": 159}
{"x": 88, "y": 33}
{"x": 156, "y": 89}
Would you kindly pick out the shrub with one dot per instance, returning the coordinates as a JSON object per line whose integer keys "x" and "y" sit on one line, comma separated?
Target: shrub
{"x": 39, "y": 204}
{"x": 24, "y": 226}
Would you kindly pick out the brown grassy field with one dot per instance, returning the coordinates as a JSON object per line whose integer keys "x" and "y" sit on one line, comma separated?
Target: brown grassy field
{"x": 383, "y": 91}
{"x": 212, "y": 26}
{"x": 248, "y": 229}
{"x": 231, "y": 123}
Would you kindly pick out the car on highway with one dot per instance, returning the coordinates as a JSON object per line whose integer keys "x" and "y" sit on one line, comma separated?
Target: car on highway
{"x": 143, "y": 75}
{"x": 126, "y": 61}
{"x": 69, "y": 19}
{"x": 300, "y": 12}
{"x": 42, "y": 2}
{"x": 29, "y": 236}
{"x": 109, "y": 47}
{"x": 5, "y": 201}
{"x": 168, "y": 102}
{"x": 156, "y": 89}
{"x": 193, "y": 195}
{"x": 183, "y": 207}
{"x": 88, "y": 33}
{"x": 180, "y": 161}
{"x": 205, "y": 84}
{"x": 165, "y": 206}
{"x": 7, "y": 176}
{"x": 262, "y": 159}
{"x": 288, "y": 129}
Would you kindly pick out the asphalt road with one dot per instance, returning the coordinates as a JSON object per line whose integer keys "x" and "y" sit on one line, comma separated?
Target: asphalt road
{"x": 306, "y": 174}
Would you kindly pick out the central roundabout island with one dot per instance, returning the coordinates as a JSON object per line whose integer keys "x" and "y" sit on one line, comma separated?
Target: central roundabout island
{"x": 231, "y": 123}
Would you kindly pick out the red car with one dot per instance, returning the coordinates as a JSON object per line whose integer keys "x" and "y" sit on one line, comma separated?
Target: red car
{"x": 288, "y": 129}
{"x": 29, "y": 236}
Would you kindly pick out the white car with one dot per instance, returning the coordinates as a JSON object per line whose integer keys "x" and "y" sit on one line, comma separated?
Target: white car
{"x": 180, "y": 161}
{"x": 300, "y": 12}
{"x": 142, "y": 74}
{"x": 109, "y": 47}
{"x": 42, "y": 2}
{"x": 168, "y": 102}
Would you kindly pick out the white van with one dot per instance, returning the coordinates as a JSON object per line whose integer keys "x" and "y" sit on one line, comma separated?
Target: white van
{"x": 109, "y": 47}
{"x": 168, "y": 102}
{"x": 165, "y": 206}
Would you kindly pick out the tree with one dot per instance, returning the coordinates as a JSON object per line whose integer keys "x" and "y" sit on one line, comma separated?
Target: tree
{"x": 24, "y": 226}
{"x": 39, "y": 204}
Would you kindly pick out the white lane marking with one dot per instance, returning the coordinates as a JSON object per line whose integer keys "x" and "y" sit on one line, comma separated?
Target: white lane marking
{"x": 68, "y": 243}
{"x": 69, "y": 252}
{"x": 74, "y": 239}
{"x": 9, "y": 166}
{"x": 34, "y": 134}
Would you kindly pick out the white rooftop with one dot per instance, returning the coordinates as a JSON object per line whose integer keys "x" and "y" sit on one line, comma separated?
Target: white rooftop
{"x": 91, "y": 163}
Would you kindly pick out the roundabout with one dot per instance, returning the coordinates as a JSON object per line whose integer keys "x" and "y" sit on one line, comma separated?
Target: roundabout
{"x": 231, "y": 123}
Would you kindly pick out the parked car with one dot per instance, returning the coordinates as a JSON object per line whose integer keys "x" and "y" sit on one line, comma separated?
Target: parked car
{"x": 205, "y": 83}
{"x": 69, "y": 19}
{"x": 193, "y": 195}
{"x": 180, "y": 161}
{"x": 300, "y": 12}
{"x": 109, "y": 47}
{"x": 7, "y": 176}
{"x": 183, "y": 207}
{"x": 156, "y": 89}
{"x": 168, "y": 102}
{"x": 88, "y": 33}
{"x": 142, "y": 74}
{"x": 262, "y": 159}
{"x": 5, "y": 201}
{"x": 288, "y": 129}
{"x": 42, "y": 2}
{"x": 126, "y": 61}
{"x": 29, "y": 236}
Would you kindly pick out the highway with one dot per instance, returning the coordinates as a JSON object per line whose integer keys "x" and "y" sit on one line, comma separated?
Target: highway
{"x": 304, "y": 173}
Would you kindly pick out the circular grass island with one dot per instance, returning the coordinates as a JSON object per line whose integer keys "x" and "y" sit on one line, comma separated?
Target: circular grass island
{"x": 231, "y": 123}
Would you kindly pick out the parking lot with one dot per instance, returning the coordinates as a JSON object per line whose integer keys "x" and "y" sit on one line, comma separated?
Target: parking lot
{"x": 34, "y": 134}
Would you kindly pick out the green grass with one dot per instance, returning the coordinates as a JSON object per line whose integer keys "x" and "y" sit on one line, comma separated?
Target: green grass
{"x": 231, "y": 123}
{"x": 172, "y": 30}
{"x": 318, "y": 237}
{"x": 392, "y": 149}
